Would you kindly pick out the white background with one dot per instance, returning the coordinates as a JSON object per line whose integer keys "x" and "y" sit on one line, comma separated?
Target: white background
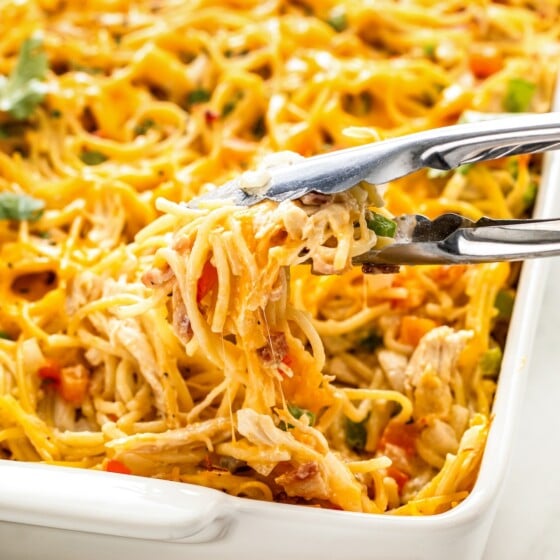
{"x": 527, "y": 526}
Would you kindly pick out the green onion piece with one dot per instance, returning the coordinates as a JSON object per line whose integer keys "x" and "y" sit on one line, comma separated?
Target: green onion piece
{"x": 20, "y": 207}
{"x": 519, "y": 95}
{"x": 56, "y": 114}
{"x": 504, "y": 303}
{"x": 490, "y": 361}
{"x": 382, "y": 226}
{"x": 198, "y": 96}
{"x": 513, "y": 167}
{"x": 298, "y": 412}
{"x": 4, "y": 335}
{"x": 356, "y": 434}
{"x": 339, "y": 22}
{"x": 429, "y": 50}
{"x": 92, "y": 157}
{"x": 530, "y": 194}
{"x": 465, "y": 168}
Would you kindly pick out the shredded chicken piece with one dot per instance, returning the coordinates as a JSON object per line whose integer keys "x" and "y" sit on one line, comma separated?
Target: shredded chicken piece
{"x": 393, "y": 365}
{"x": 430, "y": 370}
{"x": 200, "y": 432}
{"x": 157, "y": 276}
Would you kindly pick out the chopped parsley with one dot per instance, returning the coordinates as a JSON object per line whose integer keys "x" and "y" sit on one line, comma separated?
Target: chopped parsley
{"x": 356, "y": 434}
{"x": 143, "y": 126}
{"x": 198, "y": 96}
{"x": 93, "y": 157}
{"x": 230, "y": 105}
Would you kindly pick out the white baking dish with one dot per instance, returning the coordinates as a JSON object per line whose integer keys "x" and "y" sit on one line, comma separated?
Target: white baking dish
{"x": 57, "y": 513}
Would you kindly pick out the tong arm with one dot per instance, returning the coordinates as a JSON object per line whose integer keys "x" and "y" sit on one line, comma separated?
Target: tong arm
{"x": 452, "y": 239}
{"x": 379, "y": 162}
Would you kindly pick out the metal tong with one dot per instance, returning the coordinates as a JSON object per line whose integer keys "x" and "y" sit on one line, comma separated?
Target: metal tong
{"x": 448, "y": 239}
{"x": 453, "y": 239}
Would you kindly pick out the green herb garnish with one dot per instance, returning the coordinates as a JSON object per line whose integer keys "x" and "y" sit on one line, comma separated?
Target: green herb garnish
{"x": 382, "y": 226}
{"x": 519, "y": 95}
{"x": 465, "y": 168}
{"x": 24, "y": 89}
{"x": 356, "y": 434}
{"x": 198, "y": 96}
{"x": 429, "y": 50}
{"x": 530, "y": 194}
{"x": 5, "y": 336}
{"x": 298, "y": 412}
{"x": 92, "y": 157}
{"x": 339, "y": 22}
{"x": 230, "y": 105}
{"x": 143, "y": 126}
{"x": 371, "y": 342}
{"x": 56, "y": 114}
{"x": 20, "y": 207}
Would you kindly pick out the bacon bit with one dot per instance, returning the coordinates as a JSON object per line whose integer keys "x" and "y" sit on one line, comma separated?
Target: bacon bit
{"x": 400, "y": 435}
{"x": 288, "y": 360}
{"x": 207, "y": 281}
{"x": 210, "y": 116}
{"x": 275, "y": 351}
{"x": 369, "y": 268}
{"x": 50, "y": 373}
{"x": 157, "y": 276}
{"x": 74, "y": 383}
{"x": 207, "y": 463}
{"x": 314, "y": 199}
{"x": 115, "y": 466}
{"x": 400, "y": 477}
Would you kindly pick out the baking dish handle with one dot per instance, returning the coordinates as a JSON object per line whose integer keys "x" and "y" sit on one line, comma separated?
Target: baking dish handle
{"x": 111, "y": 504}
